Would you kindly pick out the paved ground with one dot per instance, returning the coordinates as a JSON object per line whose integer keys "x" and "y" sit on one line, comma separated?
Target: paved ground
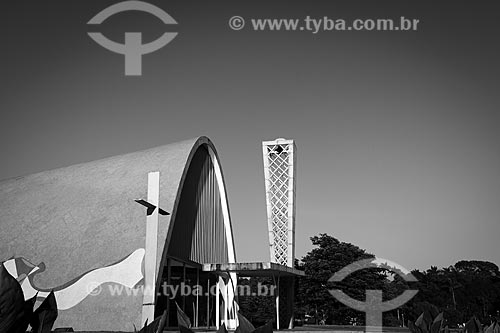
{"x": 340, "y": 328}
{"x": 307, "y": 329}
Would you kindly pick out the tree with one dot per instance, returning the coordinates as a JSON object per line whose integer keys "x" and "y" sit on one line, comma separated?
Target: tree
{"x": 466, "y": 289}
{"x": 469, "y": 288}
{"x": 329, "y": 256}
{"x": 258, "y": 309}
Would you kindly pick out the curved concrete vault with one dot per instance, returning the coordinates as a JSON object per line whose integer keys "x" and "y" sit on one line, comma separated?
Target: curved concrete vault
{"x": 82, "y": 223}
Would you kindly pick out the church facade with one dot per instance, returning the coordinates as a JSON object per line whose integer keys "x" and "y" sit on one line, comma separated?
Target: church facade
{"x": 122, "y": 239}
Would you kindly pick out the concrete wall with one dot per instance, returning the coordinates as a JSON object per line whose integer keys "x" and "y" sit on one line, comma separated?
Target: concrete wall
{"x": 80, "y": 219}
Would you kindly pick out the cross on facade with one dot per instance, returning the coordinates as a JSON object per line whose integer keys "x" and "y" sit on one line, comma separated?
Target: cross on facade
{"x": 150, "y": 258}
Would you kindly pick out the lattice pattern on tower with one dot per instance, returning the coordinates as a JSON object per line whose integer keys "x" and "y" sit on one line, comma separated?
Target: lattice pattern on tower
{"x": 279, "y": 157}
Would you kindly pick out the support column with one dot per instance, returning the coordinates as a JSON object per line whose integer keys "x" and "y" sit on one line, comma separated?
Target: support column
{"x": 197, "y": 298}
{"x": 290, "y": 299}
{"x": 183, "y": 282}
{"x": 277, "y": 300}
{"x": 169, "y": 274}
{"x": 217, "y": 305}
{"x": 208, "y": 302}
{"x": 226, "y": 308}
{"x": 284, "y": 302}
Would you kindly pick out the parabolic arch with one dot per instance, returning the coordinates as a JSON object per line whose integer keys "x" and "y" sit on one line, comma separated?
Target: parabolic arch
{"x": 200, "y": 226}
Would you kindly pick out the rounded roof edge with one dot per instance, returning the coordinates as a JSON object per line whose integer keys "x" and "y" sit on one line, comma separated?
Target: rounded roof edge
{"x": 197, "y": 143}
{"x": 66, "y": 216}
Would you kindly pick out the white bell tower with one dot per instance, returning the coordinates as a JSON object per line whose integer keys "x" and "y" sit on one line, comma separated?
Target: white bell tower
{"x": 280, "y": 175}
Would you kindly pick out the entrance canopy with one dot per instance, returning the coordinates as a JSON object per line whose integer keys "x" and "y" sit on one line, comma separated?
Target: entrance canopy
{"x": 283, "y": 279}
{"x": 261, "y": 269}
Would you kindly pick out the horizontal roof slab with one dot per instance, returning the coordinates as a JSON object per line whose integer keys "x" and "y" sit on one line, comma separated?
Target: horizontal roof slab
{"x": 254, "y": 269}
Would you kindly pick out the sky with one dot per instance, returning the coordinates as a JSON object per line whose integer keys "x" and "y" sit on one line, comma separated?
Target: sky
{"x": 397, "y": 132}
